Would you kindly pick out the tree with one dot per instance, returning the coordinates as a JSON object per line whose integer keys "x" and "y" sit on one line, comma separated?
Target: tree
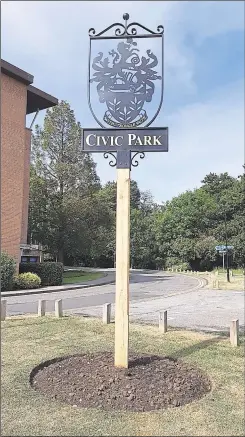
{"x": 63, "y": 174}
{"x": 190, "y": 226}
{"x": 109, "y": 194}
{"x": 214, "y": 184}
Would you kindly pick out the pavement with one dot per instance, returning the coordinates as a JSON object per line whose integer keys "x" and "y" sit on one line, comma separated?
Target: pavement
{"x": 189, "y": 304}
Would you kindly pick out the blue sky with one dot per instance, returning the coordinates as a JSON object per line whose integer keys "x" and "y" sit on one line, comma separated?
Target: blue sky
{"x": 204, "y": 78}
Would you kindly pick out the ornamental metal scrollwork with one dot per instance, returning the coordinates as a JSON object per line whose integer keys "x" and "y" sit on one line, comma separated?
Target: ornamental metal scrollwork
{"x": 125, "y": 29}
{"x": 112, "y": 163}
{"x": 135, "y": 162}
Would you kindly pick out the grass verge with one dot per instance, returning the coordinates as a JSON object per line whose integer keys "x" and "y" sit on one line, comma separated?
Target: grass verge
{"x": 26, "y": 412}
{"x": 78, "y": 276}
{"x": 220, "y": 282}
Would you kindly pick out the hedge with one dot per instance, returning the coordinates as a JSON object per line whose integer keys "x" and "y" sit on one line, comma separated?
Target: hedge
{"x": 8, "y": 269}
{"x": 51, "y": 273}
{"x": 27, "y": 280}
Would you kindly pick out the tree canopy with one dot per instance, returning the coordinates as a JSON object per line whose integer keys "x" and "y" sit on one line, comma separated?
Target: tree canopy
{"x": 74, "y": 217}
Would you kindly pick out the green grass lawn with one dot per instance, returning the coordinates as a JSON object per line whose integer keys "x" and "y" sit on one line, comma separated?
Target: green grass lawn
{"x": 234, "y": 271}
{"x": 236, "y": 280}
{"x": 28, "y": 341}
{"x": 78, "y": 276}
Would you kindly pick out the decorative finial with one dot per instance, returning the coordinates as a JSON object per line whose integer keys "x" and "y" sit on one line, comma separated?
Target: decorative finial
{"x": 126, "y": 16}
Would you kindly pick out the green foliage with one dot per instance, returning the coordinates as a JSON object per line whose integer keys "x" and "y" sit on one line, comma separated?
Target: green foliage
{"x": 61, "y": 175}
{"x": 109, "y": 195}
{"x": 27, "y": 280}
{"x": 8, "y": 267}
{"x": 159, "y": 262}
{"x": 51, "y": 273}
{"x": 174, "y": 263}
{"x": 190, "y": 226}
{"x": 74, "y": 218}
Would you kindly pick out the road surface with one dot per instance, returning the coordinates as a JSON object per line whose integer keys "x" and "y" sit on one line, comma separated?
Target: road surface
{"x": 189, "y": 306}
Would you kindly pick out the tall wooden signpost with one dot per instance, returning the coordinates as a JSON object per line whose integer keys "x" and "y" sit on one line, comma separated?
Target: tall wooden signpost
{"x": 121, "y": 89}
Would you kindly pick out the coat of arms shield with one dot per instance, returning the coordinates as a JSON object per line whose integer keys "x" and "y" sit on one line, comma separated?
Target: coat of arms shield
{"x": 125, "y": 76}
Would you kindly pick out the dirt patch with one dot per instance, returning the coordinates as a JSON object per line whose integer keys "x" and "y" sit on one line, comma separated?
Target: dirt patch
{"x": 150, "y": 383}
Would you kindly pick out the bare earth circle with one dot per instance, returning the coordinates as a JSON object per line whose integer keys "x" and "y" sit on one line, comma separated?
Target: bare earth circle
{"x": 150, "y": 383}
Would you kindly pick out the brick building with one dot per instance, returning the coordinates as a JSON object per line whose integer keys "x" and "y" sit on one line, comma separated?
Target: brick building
{"x": 18, "y": 99}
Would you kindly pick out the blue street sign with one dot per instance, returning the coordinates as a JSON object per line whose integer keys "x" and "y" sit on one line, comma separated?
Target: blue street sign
{"x": 220, "y": 247}
{"x": 223, "y": 248}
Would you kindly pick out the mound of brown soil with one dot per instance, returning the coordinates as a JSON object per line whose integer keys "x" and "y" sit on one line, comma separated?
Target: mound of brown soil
{"x": 150, "y": 382}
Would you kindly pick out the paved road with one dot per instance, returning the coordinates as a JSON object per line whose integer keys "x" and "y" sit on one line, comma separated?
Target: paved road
{"x": 188, "y": 305}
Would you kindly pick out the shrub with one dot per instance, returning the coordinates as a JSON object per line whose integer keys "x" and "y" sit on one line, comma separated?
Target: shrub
{"x": 159, "y": 263}
{"x": 8, "y": 267}
{"x": 27, "y": 280}
{"x": 176, "y": 264}
{"x": 51, "y": 273}
{"x": 184, "y": 266}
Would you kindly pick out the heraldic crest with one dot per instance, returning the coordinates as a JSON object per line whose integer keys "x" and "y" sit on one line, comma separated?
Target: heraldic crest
{"x": 126, "y": 85}
{"x": 125, "y": 80}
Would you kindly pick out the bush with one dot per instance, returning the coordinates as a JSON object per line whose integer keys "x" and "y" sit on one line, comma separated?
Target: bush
{"x": 8, "y": 268}
{"x": 51, "y": 273}
{"x": 27, "y": 280}
{"x": 159, "y": 263}
{"x": 176, "y": 264}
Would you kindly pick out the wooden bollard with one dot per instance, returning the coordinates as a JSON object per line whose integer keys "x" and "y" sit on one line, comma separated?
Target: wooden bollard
{"x": 231, "y": 273}
{"x": 234, "y": 332}
{"x": 163, "y": 321}
{"x": 107, "y": 313}
{"x": 58, "y": 308}
{"x": 3, "y": 309}
{"x": 41, "y": 308}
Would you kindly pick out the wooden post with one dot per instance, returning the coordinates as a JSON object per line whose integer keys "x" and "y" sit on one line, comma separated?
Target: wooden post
{"x": 122, "y": 268}
{"x": 107, "y": 313}
{"x": 234, "y": 332}
{"x": 41, "y": 308}
{"x": 163, "y": 321}
{"x": 58, "y": 308}
{"x": 3, "y": 309}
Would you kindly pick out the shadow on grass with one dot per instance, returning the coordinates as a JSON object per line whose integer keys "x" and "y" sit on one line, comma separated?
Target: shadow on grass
{"x": 215, "y": 331}
{"x": 199, "y": 346}
{"x": 218, "y": 336}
